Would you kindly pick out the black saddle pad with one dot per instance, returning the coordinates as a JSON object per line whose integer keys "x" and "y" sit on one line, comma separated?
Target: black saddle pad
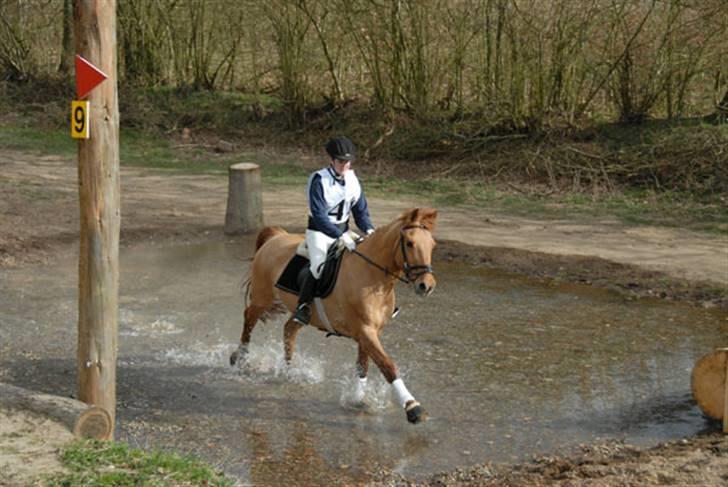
{"x": 296, "y": 270}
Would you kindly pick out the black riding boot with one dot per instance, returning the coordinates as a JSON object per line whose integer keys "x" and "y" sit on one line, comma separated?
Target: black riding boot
{"x": 303, "y": 310}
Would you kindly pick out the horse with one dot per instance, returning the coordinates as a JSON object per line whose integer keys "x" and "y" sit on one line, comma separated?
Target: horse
{"x": 363, "y": 299}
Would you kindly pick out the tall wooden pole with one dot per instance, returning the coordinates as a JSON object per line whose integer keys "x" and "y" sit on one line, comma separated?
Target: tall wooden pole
{"x": 98, "y": 183}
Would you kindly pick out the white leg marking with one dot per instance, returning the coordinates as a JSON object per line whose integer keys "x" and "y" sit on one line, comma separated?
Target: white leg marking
{"x": 401, "y": 394}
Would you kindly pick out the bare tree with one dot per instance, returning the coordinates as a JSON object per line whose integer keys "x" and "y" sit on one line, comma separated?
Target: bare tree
{"x": 65, "y": 66}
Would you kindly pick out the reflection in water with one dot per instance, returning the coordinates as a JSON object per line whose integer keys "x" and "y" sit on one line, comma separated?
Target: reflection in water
{"x": 507, "y": 367}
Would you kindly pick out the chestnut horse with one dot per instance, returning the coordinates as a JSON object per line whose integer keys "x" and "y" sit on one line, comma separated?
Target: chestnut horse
{"x": 362, "y": 301}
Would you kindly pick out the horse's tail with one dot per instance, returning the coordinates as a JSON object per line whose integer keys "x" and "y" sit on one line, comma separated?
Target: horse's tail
{"x": 266, "y": 234}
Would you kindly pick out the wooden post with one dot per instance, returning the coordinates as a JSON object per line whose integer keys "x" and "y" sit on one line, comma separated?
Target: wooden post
{"x": 98, "y": 182}
{"x": 245, "y": 200}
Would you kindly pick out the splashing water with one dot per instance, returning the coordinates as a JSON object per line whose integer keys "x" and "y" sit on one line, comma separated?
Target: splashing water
{"x": 131, "y": 327}
{"x": 377, "y": 393}
{"x": 198, "y": 354}
{"x": 266, "y": 363}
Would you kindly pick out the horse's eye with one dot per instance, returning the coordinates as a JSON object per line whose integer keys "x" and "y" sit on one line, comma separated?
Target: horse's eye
{"x": 410, "y": 244}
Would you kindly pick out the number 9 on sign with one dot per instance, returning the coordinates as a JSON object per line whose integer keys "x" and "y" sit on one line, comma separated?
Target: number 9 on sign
{"x": 79, "y": 119}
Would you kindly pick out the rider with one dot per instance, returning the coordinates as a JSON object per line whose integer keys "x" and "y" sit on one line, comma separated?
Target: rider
{"x": 333, "y": 193}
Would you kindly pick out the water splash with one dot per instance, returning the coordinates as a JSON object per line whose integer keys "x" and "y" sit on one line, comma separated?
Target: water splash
{"x": 377, "y": 393}
{"x": 266, "y": 363}
{"x": 129, "y": 326}
{"x": 197, "y": 355}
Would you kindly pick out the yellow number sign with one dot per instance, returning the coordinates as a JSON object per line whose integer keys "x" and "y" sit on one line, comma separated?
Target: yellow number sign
{"x": 79, "y": 119}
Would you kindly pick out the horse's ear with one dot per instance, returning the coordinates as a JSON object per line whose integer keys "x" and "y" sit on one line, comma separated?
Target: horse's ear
{"x": 409, "y": 215}
{"x": 428, "y": 217}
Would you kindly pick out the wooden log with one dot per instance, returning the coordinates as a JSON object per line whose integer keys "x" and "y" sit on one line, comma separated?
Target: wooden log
{"x": 82, "y": 420}
{"x": 99, "y": 196}
{"x": 709, "y": 383}
{"x": 244, "y": 212}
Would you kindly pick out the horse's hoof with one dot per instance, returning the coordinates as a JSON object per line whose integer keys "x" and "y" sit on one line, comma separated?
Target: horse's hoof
{"x": 415, "y": 412}
{"x": 238, "y": 354}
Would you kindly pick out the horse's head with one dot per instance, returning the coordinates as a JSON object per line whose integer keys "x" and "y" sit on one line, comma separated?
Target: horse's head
{"x": 416, "y": 244}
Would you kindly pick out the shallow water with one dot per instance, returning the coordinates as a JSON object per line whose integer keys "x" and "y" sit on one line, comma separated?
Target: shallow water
{"x": 507, "y": 367}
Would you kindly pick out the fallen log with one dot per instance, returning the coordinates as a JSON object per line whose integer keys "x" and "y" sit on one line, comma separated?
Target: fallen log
{"x": 83, "y": 420}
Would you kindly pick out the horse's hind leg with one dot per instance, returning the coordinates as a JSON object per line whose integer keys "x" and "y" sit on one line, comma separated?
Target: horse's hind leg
{"x": 252, "y": 314}
{"x": 290, "y": 332}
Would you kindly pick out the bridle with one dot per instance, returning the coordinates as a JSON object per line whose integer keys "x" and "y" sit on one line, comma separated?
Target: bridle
{"x": 411, "y": 272}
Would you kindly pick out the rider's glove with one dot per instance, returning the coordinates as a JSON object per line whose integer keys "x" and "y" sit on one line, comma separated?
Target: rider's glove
{"x": 370, "y": 231}
{"x": 347, "y": 241}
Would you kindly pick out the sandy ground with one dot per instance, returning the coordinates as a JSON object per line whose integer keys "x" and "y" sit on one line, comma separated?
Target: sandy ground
{"x": 39, "y": 223}
{"x": 29, "y": 446}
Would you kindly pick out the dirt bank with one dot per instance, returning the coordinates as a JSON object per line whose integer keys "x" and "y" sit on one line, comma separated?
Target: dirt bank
{"x": 39, "y": 223}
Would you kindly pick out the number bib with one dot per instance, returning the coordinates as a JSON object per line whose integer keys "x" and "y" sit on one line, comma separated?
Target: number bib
{"x": 338, "y": 198}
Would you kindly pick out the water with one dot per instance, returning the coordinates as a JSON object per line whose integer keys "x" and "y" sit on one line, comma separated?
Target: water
{"x": 507, "y": 367}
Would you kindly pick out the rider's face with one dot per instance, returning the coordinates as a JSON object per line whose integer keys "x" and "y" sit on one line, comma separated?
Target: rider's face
{"x": 341, "y": 166}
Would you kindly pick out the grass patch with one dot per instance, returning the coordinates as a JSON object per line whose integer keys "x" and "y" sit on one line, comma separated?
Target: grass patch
{"x": 93, "y": 463}
{"x": 31, "y": 190}
{"x": 631, "y": 207}
{"x": 46, "y": 140}
{"x": 138, "y": 148}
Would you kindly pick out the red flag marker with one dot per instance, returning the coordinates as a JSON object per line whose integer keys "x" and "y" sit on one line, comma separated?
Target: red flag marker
{"x": 88, "y": 77}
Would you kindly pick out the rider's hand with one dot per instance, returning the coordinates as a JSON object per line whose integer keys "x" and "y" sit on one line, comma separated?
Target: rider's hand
{"x": 347, "y": 241}
{"x": 370, "y": 231}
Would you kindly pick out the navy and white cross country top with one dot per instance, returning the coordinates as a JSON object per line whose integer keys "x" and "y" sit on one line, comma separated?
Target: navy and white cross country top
{"x": 331, "y": 199}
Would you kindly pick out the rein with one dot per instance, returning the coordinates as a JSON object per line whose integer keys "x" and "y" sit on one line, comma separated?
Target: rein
{"x": 411, "y": 272}
{"x": 381, "y": 268}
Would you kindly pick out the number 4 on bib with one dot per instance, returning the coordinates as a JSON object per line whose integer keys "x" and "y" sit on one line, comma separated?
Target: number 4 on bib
{"x": 338, "y": 211}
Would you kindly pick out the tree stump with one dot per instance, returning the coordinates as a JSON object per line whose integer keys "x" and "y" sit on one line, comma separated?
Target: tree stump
{"x": 83, "y": 420}
{"x": 245, "y": 200}
{"x": 709, "y": 382}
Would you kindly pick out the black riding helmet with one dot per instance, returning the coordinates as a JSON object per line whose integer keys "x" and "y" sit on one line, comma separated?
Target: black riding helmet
{"x": 341, "y": 148}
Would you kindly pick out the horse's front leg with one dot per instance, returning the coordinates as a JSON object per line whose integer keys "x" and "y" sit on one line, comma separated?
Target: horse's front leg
{"x": 362, "y": 367}
{"x": 369, "y": 343}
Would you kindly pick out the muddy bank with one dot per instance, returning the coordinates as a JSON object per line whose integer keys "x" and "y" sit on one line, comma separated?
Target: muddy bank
{"x": 629, "y": 280}
{"x": 699, "y": 461}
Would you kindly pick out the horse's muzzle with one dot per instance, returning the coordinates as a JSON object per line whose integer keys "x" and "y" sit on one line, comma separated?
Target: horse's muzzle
{"x": 425, "y": 284}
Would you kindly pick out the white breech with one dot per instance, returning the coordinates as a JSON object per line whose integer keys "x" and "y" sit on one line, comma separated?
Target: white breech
{"x": 318, "y": 245}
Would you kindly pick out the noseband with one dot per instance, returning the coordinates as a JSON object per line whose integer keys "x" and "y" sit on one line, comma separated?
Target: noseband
{"x": 413, "y": 272}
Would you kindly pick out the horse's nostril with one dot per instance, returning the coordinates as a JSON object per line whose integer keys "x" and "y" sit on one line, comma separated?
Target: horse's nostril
{"x": 423, "y": 286}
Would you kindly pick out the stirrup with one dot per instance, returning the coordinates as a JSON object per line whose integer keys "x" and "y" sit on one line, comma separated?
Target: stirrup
{"x": 302, "y": 315}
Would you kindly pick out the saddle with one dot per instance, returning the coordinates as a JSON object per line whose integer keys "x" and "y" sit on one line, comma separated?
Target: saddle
{"x": 295, "y": 272}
